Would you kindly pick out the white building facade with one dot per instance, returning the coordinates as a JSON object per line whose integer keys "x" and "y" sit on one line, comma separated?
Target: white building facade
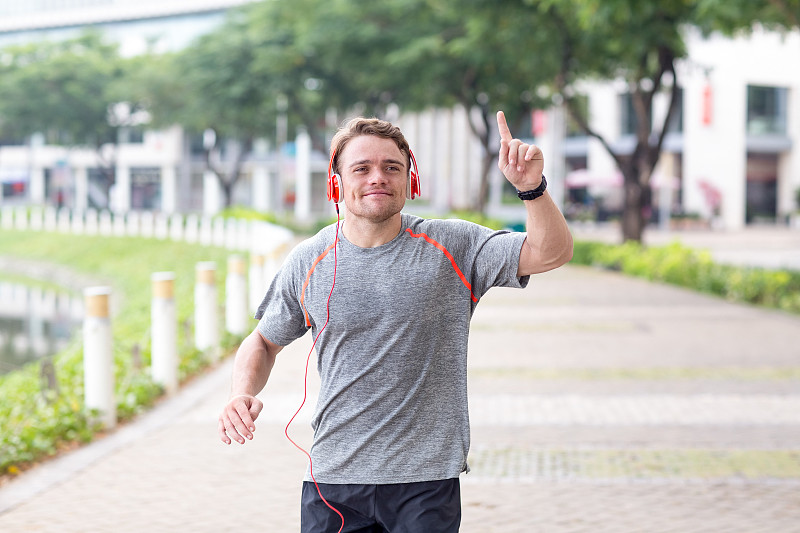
{"x": 742, "y": 126}
{"x": 732, "y": 156}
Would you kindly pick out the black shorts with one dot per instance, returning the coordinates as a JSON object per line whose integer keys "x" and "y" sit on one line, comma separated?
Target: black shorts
{"x": 425, "y": 507}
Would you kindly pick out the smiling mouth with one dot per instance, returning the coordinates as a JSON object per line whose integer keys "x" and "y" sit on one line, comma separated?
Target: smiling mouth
{"x": 378, "y": 193}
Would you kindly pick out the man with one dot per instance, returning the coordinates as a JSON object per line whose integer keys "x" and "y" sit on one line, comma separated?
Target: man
{"x": 389, "y": 297}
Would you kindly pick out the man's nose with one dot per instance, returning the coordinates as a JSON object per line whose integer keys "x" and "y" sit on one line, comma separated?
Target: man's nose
{"x": 378, "y": 176}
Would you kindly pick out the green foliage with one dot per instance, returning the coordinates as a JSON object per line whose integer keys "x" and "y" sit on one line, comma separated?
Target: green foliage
{"x": 36, "y": 422}
{"x": 732, "y": 16}
{"x": 62, "y": 89}
{"x": 287, "y": 221}
{"x": 246, "y": 213}
{"x": 686, "y": 267}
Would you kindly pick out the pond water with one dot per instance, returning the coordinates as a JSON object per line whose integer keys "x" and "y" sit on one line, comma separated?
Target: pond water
{"x": 35, "y": 323}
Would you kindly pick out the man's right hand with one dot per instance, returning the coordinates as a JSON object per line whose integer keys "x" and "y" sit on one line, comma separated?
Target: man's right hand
{"x": 237, "y": 420}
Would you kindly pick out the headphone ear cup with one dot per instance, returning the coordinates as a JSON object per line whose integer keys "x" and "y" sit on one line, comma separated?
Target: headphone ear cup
{"x": 413, "y": 185}
{"x": 334, "y": 188}
{"x": 413, "y": 188}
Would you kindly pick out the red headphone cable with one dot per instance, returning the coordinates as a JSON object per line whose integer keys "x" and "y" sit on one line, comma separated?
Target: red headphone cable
{"x": 305, "y": 379}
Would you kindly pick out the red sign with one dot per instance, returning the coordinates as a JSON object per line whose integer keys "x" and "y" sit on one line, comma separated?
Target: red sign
{"x": 538, "y": 122}
{"x": 708, "y": 105}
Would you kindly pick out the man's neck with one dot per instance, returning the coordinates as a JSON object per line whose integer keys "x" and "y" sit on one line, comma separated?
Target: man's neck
{"x": 367, "y": 234}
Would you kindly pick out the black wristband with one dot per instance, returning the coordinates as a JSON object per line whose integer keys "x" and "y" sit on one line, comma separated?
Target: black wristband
{"x": 535, "y": 193}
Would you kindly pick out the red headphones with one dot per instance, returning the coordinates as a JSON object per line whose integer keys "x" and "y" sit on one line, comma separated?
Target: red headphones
{"x": 335, "y": 181}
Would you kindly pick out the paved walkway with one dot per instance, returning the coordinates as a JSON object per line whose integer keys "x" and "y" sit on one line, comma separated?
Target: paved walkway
{"x": 599, "y": 403}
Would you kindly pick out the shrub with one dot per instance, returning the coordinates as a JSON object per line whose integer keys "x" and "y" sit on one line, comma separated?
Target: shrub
{"x": 679, "y": 265}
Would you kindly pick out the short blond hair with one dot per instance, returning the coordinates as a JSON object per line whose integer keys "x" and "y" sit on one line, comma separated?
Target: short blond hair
{"x": 367, "y": 126}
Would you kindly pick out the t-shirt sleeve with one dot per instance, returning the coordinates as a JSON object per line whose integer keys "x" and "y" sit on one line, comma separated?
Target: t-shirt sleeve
{"x": 496, "y": 261}
{"x": 280, "y": 316}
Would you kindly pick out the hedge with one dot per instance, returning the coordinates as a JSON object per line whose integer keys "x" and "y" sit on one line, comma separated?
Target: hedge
{"x": 687, "y": 267}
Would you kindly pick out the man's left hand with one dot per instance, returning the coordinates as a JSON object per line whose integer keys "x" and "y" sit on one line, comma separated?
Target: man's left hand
{"x": 521, "y": 163}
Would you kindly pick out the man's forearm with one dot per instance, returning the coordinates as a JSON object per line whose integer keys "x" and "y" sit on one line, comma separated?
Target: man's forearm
{"x": 549, "y": 242}
{"x": 252, "y": 365}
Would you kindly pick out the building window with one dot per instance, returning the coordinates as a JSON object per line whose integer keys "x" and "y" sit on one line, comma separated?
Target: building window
{"x": 766, "y": 110}
{"x": 676, "y": 121}
{"x": 582, "y": 105}
{"x": 196, "y": 144}
{"x": 145, "y": 188}
{"x": 762, "y": 188}
{"x": 131, "y": 135}
{"x": 629, "y": 121}
{"x": 12, "y": 140}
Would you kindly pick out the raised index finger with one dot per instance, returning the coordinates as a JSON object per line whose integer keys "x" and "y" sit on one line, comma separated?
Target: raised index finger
{"x": 502, "y": 126}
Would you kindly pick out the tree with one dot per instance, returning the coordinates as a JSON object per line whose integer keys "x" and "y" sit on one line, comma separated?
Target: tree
{"x": 484, "y": 57}
{"x": 211, "y": 85}
{"x": 336, "y": 55}
{"x": 641, "y": 43}
{"x": 354, "y": 57}
{"x": 69, "y": 91}
{"x": 267, "y": 60}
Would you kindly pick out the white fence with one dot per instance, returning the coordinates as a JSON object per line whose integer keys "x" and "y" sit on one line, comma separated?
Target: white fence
{"x": 233, "y": 234}
{"x": 265, "y": 242}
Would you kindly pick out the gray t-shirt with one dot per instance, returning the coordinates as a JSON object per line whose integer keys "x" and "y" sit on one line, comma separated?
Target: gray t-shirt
{"x": 392, "y": 360}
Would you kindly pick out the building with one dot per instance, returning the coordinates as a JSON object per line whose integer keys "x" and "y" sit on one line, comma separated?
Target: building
{"x": 730, "y": 158}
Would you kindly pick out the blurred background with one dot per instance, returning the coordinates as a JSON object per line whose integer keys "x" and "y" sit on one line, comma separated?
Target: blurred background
{"x": 673, "y": 114}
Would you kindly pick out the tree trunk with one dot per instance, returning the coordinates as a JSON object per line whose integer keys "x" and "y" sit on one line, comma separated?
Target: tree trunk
{"x": 228, "y": 183}
{"x": 227, "y": 193}
{"x": 108, "y": 168}
{"x": 483, "y": 190}
{"x": 482, "y": 131}
{"x": 633, "y": 220}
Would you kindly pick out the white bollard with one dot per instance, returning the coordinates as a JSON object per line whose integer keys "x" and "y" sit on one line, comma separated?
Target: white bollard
{"x": 161, "y": 231}
{"x": 132, "y": 228}
{"x": 176, "y": 227}
{"x": 256, "y": 281}
{"x": 231, "y": 235}
{"x": 236, "y": 316}
{"x": 119, "y": 225}
{"x": 206, "y": 233}
{"x": 37, "y": 218}
{"x": 98, "y": 359}
{"x": 272, "y": 265}
{"x": 243, "y": 235}
{"x": 218, "y": 232}
{"x": 92, "y": 224}
{"x": 77, "y": 227}
{"x": 192, "y": 231}
{"x": 21, "y": 218}
{"x": 164, "y": 328}
{"x": 7, "y": 217}
{"x": 147, "y": 224}
{"x": 64, "y": 220}
{"x": 106, "y": 224}
{"x": 50, "y": 219}
{"x": 206, "y": 323}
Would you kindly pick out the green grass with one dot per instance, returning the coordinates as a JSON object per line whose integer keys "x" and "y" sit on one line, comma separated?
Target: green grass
{"x": 36, "y": 422}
